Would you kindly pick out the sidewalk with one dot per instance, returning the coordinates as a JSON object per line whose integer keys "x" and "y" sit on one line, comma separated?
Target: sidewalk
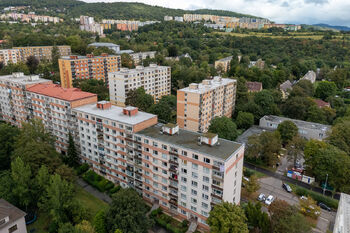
{"x": 102, "y": 196}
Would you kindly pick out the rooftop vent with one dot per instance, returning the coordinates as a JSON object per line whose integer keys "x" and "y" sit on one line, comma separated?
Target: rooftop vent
{"x": 153, "y": 65}
{"x": 209, "y": 138}
{"x": 139, "y": 67}
{"x": 217, "y": 79}
{"x": 34, "y": 77}
{"x": 104, "y": 54}
{"x": 73, "y": 57}
{"x": 89, "y": 55}
{"x": 170, "y": 129}
{"x": 206, "y": 82}
{"x": 17, "y": 74}
{"x": 104, "y": 105}
{"x": 130, "y": 111}
{"x": 194, "y": 86}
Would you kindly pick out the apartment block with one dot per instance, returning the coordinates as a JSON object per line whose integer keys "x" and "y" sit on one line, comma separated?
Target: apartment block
{"x": 15, "y": 106}
{"x": 308, "y": 130}
{"x": 42, "y": 52}
{"x": 11, "y": 218}
{"x": 9, "y": 56}
{"x": 186, "y": 173}
{"x": 200, "y": 103}
{"x": 140, "y": 56}
{"x": 223, "y": 64}
{"x": 156, "y": 80}
{"x": 53, "y": 105}
{"x": 87, "y": 67}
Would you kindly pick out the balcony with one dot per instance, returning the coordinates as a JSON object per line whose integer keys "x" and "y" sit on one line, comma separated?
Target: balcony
{"x": 175, "y": 197}
{"x": 173, "y": 169}
{"x": 173, "y": 201}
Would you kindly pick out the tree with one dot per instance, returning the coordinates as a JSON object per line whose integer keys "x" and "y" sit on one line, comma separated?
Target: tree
{"x": 257, "y": 219}
{"x": 252, "y": 185}
{"x": 226, "y": 218}
{"x": 309, "y": 207}
{"x": 100, "y": 222}
{"x": 325, "y": 89}
{"x": 127, "y": 61}
{"x": 295, "y": 148}
{"x": 244, "y": 120}
{"x": 84, "y": 227}
{"x": 340, "y": 136}
{"x": 224, "y": 127}
{"x": 32, "y": 63}
{"x": 172, "y": 50}
{"x": 165, "y": 109}
{"x": 72, "y": 158}
{"x": 55, "y": 56}
{"x": 42, "y": 181}
{"x": 7, "y": 139}
{"x": 58, "y": 200}
{"x": 95, "y": 86}
{"x": 35, "y": 146}
{"x": 287, "y": 130}
{"x": 139, "y": 98}
{"x": 266, "y": 101}
{"x": 66, "y": 173}
{"x": 21, "y": 176}
{"x": 127, "y": 213}
{"x": 297, "y": 107}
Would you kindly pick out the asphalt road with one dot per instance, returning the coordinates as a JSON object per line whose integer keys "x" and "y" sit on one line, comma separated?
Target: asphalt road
{"x": 273, "y": 186}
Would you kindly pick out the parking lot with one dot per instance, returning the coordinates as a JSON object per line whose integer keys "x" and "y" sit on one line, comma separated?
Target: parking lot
{"x": 273, "y": 186}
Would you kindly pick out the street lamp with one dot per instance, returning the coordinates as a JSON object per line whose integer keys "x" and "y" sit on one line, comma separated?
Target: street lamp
{"x": 324, "y": 185}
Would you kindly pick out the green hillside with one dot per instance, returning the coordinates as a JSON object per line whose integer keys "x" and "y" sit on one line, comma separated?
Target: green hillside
{"x": 116, "y": 10}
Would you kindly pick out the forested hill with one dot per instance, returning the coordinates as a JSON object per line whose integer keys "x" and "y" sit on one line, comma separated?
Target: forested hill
{"x": 116, "y": 10}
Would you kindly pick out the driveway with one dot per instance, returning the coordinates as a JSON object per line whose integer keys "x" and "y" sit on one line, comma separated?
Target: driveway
{"x": 273, "y": 186}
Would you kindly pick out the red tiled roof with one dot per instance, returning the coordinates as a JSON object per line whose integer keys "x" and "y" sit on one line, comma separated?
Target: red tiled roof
{"x": 321, "y": 103}
{"x": 56, "y": 91}
{"x": 254, "y": 86}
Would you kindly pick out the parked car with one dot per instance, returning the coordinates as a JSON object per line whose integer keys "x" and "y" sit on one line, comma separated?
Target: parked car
{"x": 261, "y": 197}
{"x": 303, "y": 198}
{"x": 269, "y": 200}
{"x": 324, "y": 206}
{"x": 287, "y": 187}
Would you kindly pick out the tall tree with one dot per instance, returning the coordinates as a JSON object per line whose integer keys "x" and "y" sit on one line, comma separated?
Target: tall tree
{"x": 55, "y": 56}
{"x": 224, "y": 127}
{"x": 32, "y": 63}
{"x": 325, "y": 89}
{"x": 227, "y": 218}
{"x": 139, "y": 98}
{"x": 295, "y": 148}
{"x": 244, "y": 120}
{"x": 257, "y": 219}
{"x": 7, "y": 139}
{"x": 252, "y": 185}
{"x": 127, "y": 213}
{"x": 340, "y": 136}
{"x": 72, "y": 158}
{"x": 287, "y": 130}
{"x": 21, "y": 176}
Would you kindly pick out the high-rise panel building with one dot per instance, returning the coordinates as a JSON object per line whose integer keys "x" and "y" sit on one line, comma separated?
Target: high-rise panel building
{"x": 87, "y": 67}
{"x": 42, "y": 53}
{"x": 9, "y": 56}
{"x": 199, "y": 104}
{"x": 156, "y": 80}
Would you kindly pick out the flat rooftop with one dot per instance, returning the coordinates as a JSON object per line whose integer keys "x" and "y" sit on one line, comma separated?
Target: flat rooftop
{"x": 123, "y": 71}
{"x": 114, "y": 113}
{"x": 342, "y": 221}
{"x": 11, "y": 211}
{"x": 102, "y": 44}
{"x": 214, "y": 83}
{"x": 20, "y": 78}
{"x": 225, "y": 58}
{"x": 298, "y": 123}
{"x": 189, "y": 140}
{"x": 254, "y": 130}
{"x": 85, "y": 57}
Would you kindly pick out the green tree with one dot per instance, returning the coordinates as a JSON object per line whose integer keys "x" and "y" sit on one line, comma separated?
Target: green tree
{"x": 100, "y": 222}
{"x": 297, "y": 107}
{"x": 325, "y": 89}
{"x": 224, "y": 127}
{"x": 172, "y": 51}
{"x": 95, "y": 86}
{"x": 340, "y": 136}
{"x": 21, "y": 176}
{"x": 295, "y": 148}
{"x": 165, "y": 109}
{"x": 127, "y": 61}
{"x": 315, "y": 114}
{"x": 244, "y": 120}
{"x": 257, "y": 219}
{"x": 226, "y": 218}
{"x": 127, "y": 212}
{"x": 32, "y": 63}
{"x": 42, "y": 180}
{"x": 72, "y": 158}
{"x": 7, "y": 139}
{"x": 58, "y": 200}
{"x": 287, "y": 130}
{"x": 139, "y": 98}
{"x": 252, "y": 185}
{"x": 55, "y": 56}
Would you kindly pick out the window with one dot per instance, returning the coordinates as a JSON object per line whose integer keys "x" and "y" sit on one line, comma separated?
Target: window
{"x": 164, "y": 147}
{"x": 193, "y": 208}
{"x": 13, "y": 228}
{"x": 194, "y": 201}
{"x": 205, "y": 188}
{"x": 194, "y": 156}
{"x": 184, "y": 179}
{"x": 206, "y": 160}
{"x": 193, "y": 192}
{"x": 205, "y": 196}
{"x": 205, "y": 179}
{"x": 205, "y": 205}
{"x": 184, "y": 153}
{"x": 146, "y": 141}
{"x": 183, "y": 196}
{"x": 194, "y": 175}
{"x": 184, "y": 171}
{"x": 206, "y": 170}
{"x": 194, "y": 184}
{"x": 164, "y": 156}
{"x": 155, "y": 144}
{"x": 183, "y": 188}
{"x": 194, "y": 166}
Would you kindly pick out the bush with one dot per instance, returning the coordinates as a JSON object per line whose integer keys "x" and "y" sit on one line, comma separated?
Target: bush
{"x": 114, "y": 190}
{"x": 99, "y": 182}
{"x": 317, "y": 197}
{"x": 168, "y": 222}
{"x": 82, "y": 169}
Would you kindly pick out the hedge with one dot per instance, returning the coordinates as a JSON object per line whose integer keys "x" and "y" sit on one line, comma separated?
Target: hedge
{"x": 166, "y": 221}
{"x": 99, "y": 182}
{"x": 317, "y": 197}
{"x": 82, "y": 169}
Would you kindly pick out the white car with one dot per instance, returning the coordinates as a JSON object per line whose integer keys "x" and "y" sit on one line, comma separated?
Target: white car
{"x": 269, "y": 200}
{"x": 261, "y": 197}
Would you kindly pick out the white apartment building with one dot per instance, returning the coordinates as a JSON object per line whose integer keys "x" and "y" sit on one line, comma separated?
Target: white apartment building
{"x": 9, "y": 56}
{"x": 15, "y": 107}
{"x": 140, "y": 56}
{"x": 187, "y": 173}
{"x": 156, "y": 80}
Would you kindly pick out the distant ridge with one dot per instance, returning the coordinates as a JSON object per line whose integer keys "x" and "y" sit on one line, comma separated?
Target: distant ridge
{"x": 115, "y": 10}
{"x": 339, "y": 28}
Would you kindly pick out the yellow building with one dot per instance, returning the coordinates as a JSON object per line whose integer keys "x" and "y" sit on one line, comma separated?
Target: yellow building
{"x": 42, "y": 52}
{"x": 87, "y": 67}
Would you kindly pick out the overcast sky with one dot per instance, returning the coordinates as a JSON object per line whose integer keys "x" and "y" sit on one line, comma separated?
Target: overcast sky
{"x": 334, "y": 12}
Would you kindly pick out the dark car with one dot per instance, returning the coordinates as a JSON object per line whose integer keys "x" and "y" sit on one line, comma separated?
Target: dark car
{"x": 324, "y": 206}
{"x": 287, "y": 187}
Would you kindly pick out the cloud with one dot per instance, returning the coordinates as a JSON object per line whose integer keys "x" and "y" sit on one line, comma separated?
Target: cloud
{"x": 335, "y": 12}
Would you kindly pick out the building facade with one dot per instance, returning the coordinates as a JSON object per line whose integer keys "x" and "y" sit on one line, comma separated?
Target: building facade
{"x": 186, "y": 173}
{"x": 53, "y": 105}
{"x": 9, "y": 56}
{"x": 223, "y": 64}
{"x": 87, "y": 67}
{"x": 111, "y": 46}
{"x": 308, "y": 130}
{"x": 42, "y": 52}
{"x": 342, "y": 220}
{"x": 140, "y": 56}
{"x": 11, "y": 218}
{"x": 200, "y": 103}
{"x": 156, "y": 80}
{"x": 15, "y": 106}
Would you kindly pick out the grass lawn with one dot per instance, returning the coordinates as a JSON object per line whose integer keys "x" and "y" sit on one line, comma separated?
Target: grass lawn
{"x": 86, "y": 199}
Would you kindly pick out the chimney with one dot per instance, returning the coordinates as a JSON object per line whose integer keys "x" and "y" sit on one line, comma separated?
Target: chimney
{"x": 89, "y": 55}
{"x": 104, "y": 54}
{"x": 194, "y": 86}
{"x": 206, "y": 82}
{"x": 170, "y": 129}
{"x": 104, "y": 105}
{"x": 73, "y": 57}
{"x": 130, "y": 111}
{"x": 209, "y": 138}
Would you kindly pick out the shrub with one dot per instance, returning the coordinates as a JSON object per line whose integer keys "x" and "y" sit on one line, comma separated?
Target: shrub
{"x": 114, "y": 190}
{"x": 168, "y": 222}
{"x": 317, "y": 197}
{"x": 82, "y": 169}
